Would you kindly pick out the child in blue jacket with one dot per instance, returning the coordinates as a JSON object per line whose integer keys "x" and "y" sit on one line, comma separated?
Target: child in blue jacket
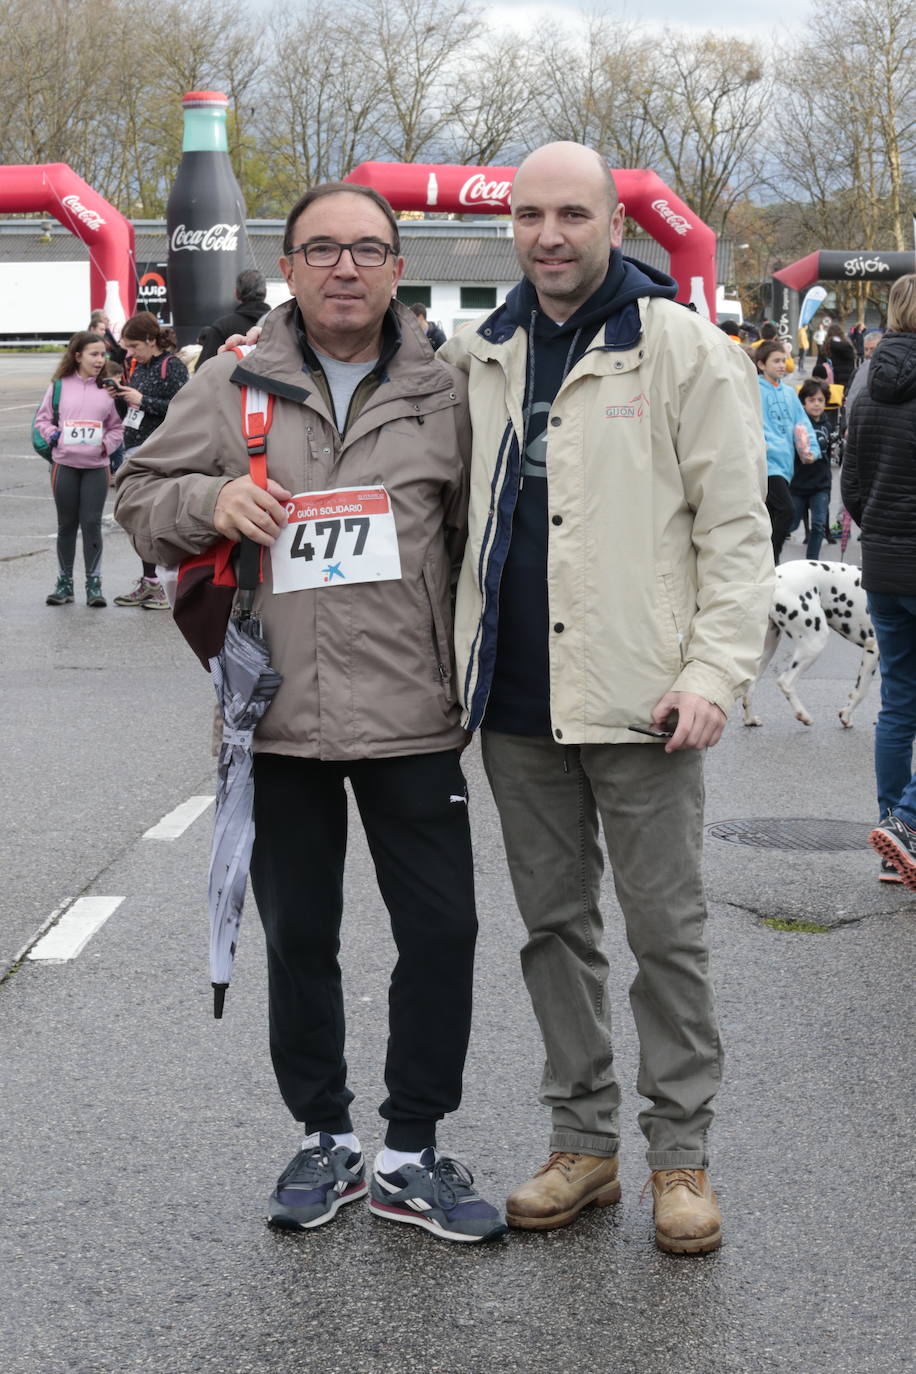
{"x": 786, "y": 431}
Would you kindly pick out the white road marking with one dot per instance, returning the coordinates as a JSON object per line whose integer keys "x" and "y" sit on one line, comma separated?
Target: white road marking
{"x": 25, "y": 406}
{"x": 177, "y": 821}
{"x": 74, "y": 929}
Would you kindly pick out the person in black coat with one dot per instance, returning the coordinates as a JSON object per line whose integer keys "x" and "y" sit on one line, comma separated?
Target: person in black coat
{"x": 879, "y": 491}
{"x": 841, "y": 354}
{"x": 251, "y": 294}
{"x": 434, "y": 334}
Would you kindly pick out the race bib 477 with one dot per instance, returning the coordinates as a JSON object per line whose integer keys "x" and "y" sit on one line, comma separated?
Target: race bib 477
{"x": 334, "y": 538}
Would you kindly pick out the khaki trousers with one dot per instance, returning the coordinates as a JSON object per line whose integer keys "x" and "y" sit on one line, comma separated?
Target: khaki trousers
{"x": 650, "y": 804}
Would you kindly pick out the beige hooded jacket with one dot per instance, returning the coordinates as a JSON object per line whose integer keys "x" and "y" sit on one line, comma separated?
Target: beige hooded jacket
{"x": 660, "y": 567}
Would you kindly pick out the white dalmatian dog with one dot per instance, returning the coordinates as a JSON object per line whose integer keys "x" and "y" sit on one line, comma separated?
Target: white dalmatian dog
{"x": 809, "y": 600}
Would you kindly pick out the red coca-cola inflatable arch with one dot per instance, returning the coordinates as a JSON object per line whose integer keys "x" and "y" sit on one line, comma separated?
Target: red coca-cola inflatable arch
{"x": 55, "y": 189}
{"x": 690, "y": 243}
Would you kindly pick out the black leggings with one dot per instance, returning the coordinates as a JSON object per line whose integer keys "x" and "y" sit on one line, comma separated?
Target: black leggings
{"x": 79, "y": 494}
{"x": 414, "y": 812}
{"x": 781, "y": 510}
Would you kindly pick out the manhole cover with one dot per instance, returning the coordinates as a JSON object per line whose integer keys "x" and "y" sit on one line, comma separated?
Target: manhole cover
{"x": 802, "y": 832}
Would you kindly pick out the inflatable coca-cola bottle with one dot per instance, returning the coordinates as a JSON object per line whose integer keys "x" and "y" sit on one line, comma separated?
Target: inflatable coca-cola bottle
{"x": 205, "y": 221}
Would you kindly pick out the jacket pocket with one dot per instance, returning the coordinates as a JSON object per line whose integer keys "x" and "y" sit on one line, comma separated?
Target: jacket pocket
{"x": 441, "y": 640}
{"x": 672, "y": 613}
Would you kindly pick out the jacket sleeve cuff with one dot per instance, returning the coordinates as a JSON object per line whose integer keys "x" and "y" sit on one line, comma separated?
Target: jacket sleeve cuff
{"x": 707, "y": 682}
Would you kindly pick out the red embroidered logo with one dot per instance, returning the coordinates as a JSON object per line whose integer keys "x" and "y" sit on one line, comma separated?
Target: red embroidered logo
{"x": 633, "y": 410}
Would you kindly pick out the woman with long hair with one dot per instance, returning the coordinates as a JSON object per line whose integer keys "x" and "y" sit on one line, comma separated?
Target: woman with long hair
{"x": 85, "y": 434}
{"x": 152, "y": 376}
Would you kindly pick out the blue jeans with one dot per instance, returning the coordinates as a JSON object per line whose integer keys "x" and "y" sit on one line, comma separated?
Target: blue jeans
{"x": 818, "y": 504}
{"x": 894, "y": 619}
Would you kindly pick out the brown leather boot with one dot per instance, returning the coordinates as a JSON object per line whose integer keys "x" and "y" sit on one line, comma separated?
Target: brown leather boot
{"x": 561, "y": 1188}
{"x": 687, "y": 1216}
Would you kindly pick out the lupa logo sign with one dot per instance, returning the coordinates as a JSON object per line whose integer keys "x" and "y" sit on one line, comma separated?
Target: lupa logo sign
{"x": 219, "y": 238}
{"x": 151, "y": 287}
{"x": 862, "y": 267}
{"x": 91, "y": 218}
{"x": 478, "y": 191}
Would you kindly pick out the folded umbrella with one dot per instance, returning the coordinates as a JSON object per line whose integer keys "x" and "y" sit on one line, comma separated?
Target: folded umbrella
{"x": 245, "y": 685}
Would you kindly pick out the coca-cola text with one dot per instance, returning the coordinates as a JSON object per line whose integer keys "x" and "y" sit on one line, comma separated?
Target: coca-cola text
{"x": 478, "y": 191}
{"x": 219, "y": 238}
{"x": 91, "y": 218}
{"x": 678, "y": 223}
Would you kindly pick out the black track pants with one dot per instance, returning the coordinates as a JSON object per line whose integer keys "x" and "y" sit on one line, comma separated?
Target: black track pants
{"x": 414, "y": 812}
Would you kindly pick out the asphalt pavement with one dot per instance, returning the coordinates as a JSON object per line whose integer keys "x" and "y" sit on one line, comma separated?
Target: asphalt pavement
{"x": 139, "y": 1138}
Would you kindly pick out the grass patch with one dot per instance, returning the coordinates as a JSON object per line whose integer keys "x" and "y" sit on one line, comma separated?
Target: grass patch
{"x": 795, "y": 927}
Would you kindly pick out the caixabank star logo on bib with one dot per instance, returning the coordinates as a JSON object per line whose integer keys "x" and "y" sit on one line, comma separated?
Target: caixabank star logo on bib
{"x": 632, "y": 410}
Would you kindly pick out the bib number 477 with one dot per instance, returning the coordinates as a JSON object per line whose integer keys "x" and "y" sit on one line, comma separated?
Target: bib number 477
{"x": 335, "y": 539}
{"x": 355, "y": 524}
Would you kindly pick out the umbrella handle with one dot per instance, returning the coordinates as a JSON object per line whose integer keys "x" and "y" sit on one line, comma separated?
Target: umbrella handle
{"x": 219, "y": 999}
{"x": 249, "y": 574}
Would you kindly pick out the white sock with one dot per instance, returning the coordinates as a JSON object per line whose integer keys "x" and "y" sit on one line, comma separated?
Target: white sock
{"x": 389, "y": 1161}
{"x": 345, "y": 1138}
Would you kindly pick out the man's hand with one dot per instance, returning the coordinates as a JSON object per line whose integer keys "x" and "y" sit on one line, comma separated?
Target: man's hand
{"x": 236, "y": 340}
{"x": 699, "y": 722}
{"x": 245, "y": 509}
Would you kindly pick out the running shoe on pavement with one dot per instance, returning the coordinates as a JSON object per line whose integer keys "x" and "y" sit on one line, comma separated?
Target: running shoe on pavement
{"x": 321, "y": 1178}
{"x": 144, "y": 589}
{"x": 437, "y": 1194}
{"x": 896, "y": 842}
{"x": 888, "y": 873}
{"x": 94, "y": 595}
{"x": 62, "y": 593}
{"x": 158, "y": 601}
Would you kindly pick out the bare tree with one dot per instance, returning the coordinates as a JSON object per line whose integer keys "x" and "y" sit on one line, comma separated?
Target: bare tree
{"x": 415, "y": 49}
{"x": 704, "y": 100}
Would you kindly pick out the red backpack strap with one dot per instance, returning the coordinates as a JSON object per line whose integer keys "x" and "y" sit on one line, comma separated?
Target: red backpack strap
{"x": 257, "y": 417}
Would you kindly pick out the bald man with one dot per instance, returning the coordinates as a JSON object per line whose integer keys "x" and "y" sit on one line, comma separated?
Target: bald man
{"x": 612, "y": 604}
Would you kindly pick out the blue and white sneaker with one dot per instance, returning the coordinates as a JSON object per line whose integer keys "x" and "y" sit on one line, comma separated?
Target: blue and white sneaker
{"x": 437, "y": 1194}
{"x": 321, "y": 1178}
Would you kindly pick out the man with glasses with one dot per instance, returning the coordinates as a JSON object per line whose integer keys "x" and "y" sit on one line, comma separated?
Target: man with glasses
{"x": 364, "y": 514}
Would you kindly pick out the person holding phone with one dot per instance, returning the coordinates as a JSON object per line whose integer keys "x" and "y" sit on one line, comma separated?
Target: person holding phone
{"x": 601, "y": 667}
{"x": 152, "y": 376}
{"x": 88, "y": 431}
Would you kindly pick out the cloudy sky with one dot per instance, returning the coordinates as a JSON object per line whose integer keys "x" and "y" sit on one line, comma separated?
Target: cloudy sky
{"x": 724, "y": 15}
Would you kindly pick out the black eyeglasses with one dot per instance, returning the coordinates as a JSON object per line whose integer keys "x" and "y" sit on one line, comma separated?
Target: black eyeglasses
{"x": 326, "y": 253}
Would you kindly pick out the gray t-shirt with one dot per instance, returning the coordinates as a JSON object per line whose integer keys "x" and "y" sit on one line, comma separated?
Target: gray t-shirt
{"x": 343, "y": 379}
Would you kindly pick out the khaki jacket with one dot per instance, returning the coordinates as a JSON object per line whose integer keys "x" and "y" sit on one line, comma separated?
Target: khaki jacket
{"x": 659, "y": 565}
{"x": 368, "y": 669}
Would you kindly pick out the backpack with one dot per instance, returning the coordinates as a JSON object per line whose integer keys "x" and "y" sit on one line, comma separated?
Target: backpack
{"x": 39, "y": 443}
{"x": 206, "y": 583}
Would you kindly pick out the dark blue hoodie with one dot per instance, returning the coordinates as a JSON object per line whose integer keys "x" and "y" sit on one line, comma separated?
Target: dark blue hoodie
{"x": 519, "y": 700}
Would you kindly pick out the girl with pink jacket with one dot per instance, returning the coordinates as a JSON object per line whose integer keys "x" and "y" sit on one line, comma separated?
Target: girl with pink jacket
{"x": 85, "y": 434}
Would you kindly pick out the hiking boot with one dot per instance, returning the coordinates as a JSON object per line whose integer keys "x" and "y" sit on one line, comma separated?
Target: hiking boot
{"x": 144, "y": 589}
{"x": 94, "y": 595}
{"x": 687, "y": 1216}
{"x": 437, "y": 1194}
{"x": 158, "y": 601}
{"x": 896, "y": 842}
{"x": 559, "y": 1190}
{"x": 318, "y": 1180}
{"x": 888, "y": 873}
{"x": 62, "y": 593}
